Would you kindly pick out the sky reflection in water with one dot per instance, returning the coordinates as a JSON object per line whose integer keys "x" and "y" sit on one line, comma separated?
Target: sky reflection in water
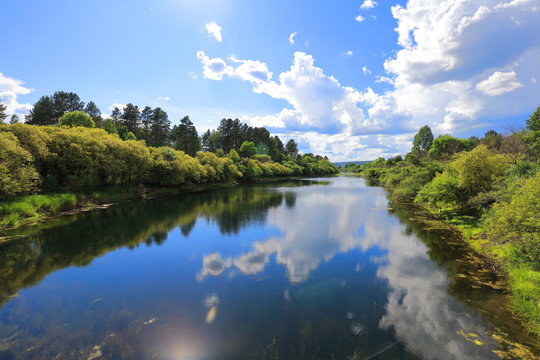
{"x": 273, "y": 271}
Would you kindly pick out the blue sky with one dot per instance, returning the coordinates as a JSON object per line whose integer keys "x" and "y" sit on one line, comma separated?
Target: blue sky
{"x": 352, "y": 80}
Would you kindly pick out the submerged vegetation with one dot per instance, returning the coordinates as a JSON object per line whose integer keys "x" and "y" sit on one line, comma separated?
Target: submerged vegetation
{"x": 69, "y": 151}
{"x": 489, "y": 188}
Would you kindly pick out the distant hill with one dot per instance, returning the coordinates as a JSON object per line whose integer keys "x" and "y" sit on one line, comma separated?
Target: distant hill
{"x": 341, "y": 163}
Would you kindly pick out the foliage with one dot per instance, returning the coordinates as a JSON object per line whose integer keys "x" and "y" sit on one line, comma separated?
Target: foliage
{"x": 76, "y": 118}
{"x": 248, "y": 149}
{"x": 3, "y": 114}
{"x": 478, "y": 169}
{"x": 533, "y": 122}
{"x": 518, "y": 220}
{"x": 422, "y": 140}
{"x": 17, "y": 174}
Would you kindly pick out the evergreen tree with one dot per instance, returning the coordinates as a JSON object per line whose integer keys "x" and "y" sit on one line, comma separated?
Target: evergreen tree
{"x": 115, "y": 116}
{"x": 3, "y": 114}
{"x": 185, "y": 137}
{"x": 93, "y": 111}
{"x": 42, "y": 112}
{"x": 14, "y": 119}
{"x": 131, "y": 117}
{"x": 159, "y": 128}
{"x": 64, "y": 102}
{"x": 291, "y": 148}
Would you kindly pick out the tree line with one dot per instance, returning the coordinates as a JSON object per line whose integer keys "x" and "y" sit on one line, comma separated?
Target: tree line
{"x": 67, "y": 145}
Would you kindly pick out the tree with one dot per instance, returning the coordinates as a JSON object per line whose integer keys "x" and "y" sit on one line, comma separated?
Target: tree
{"x": 14, "y": 119}
{"x": 248, "y": 149}
{"x": 159, "y": 128}
{"x": 422, "y": 140}
{"x": 185, "y": 137}
{"x": 444, "y": 146}
{"x": 109, "y": 127}
{"x": 291, "y": 148}
{"x": 76, "y": 118}
{"x": 64, "y": 102}
{"x": 115, "y": 115}
{"x": 3, "y": 114}
{"x": 93, "y": 111}
{"x": 131, "y": 117}
{"x": 533, "y": 122}
{"x": 42, "y": 112}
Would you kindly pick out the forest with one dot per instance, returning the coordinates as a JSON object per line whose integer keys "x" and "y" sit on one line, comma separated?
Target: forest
{"x": 65, "y": 151}
{"x": 488, "y": 188}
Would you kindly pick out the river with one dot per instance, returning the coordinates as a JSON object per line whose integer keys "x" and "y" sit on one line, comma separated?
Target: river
{"x": 298, "y": 269}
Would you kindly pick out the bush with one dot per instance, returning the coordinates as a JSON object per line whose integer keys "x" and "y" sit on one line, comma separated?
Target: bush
{"x": 519, "y": 219}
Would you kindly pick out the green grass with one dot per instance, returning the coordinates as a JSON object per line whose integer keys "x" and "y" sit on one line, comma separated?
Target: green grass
{"x": 33, "y": 207}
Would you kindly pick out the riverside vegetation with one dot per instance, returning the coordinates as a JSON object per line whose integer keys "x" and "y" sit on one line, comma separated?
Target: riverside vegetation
{"x": 66, "y": 155}
{"x": 488, "y": 188}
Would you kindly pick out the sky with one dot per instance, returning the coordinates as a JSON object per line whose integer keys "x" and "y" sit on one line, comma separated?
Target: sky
{"x": 351, "y": 80}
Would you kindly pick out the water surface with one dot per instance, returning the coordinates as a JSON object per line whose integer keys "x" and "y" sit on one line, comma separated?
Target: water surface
{"x": 305, "y": 269}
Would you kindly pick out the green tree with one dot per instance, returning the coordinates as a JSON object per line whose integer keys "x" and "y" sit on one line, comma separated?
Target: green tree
{"x": 159, "y": 128}
{"x": 185, "y": 137}
{"x": 444, "y": 146}
{"x": 93, "y": 111}
{"x": 478, "y": 169}
{"x": 64, "y": 102}
{"x": 3, "y": 114}
{"x": 76, "y": 118}
{"x": 533, "y": 122}
{"x": 42, "y": 112}
{"x": 14, "y": 119}
{"x": 248, "y": 149}
{"x": 422, "y": 140}
{"x": 17, "y": 174}
{"x": 109, "y": 127}
{"x": 131, "y": 117}
{"x": 291, "y": 148}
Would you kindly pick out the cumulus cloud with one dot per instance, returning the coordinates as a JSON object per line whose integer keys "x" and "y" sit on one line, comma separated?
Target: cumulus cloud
{"x": 499, "y": 83}
{"x": 457, "y": 64}
{"x": 359, "y": 18}
{"x": 10, "y": 89}
{"x": 291, "y": 38}
{"x": 214, "y": 68}
{"x": 214, "y": 30}
{"x": 368, "y": 4}
{"x": 163, "y": 98}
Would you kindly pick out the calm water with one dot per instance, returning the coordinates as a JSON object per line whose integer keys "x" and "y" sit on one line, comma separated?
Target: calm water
{"x": 307, "y": 269}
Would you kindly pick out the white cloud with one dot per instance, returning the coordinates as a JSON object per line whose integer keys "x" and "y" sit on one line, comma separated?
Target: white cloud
{"x": 163, "y": 98}
{"x": 118, "y": 105}
{"x": 291, "y": 38}
{"x": 499, "y": 83}
{"x": 214, "y": 68}
{"x": 348, "y": 53}
{"x": 10, "y": 89}
{"x": 213, "y": 265}
{"x": 368, "y": 4}
{"x": 254, "y": 71}
{"x": 359, "y": 18}
{"x": 366, "y": 71}
{"x": 458, "y": 64}
{"x": 214, "y": 30}
{"x": 192, "y": 75}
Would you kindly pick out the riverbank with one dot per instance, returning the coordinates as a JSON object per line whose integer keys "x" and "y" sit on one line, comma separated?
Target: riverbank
{"x": 33, "y": 209}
